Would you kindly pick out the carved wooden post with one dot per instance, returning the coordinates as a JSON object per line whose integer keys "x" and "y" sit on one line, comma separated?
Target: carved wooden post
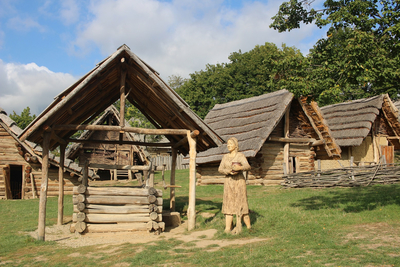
{"x": 43, "y": 188}
{"x": 172, "y": 180}
{"x": 60, "y": 217}
{"x": 192, "y": 182}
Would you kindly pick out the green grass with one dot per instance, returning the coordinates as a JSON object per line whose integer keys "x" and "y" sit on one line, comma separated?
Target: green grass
{"x": 301, "y": 227}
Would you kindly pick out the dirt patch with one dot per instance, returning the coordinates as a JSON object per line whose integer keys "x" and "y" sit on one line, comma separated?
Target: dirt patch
{"x": 197, "y": 239}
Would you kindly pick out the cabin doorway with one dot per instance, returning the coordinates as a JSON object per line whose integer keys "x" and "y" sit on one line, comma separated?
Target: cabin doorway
{"x": 16, "y": 181}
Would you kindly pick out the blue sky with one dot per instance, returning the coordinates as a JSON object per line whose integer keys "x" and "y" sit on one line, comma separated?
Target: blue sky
{"x": 46, "y": 45}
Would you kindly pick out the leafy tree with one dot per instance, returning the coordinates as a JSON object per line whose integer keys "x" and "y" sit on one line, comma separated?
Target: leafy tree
{"x": 24, "y": 118}
{"x": 264, "y": 69}
{"x": 360, "y": 55}
{"x": 175, "y": 81}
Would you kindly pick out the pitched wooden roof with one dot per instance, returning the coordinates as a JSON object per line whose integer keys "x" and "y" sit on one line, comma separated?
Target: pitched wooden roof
{"x": 351, "y": 122}
{"x": 110, "y": 113}
{"x": 250, "y": 120}
{"x": 93, "y": 93}
{"x": 12, "y": 128}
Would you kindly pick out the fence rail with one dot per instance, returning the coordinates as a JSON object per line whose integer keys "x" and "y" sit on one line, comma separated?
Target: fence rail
{"x": 345, "y": 177}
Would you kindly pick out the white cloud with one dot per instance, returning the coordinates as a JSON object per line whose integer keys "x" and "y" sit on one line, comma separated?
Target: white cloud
{"x": 24, "y": 24}
{"x": 69, "y": 11}
{"x": 23, "y": 85}
{"x": 181, "y": 37}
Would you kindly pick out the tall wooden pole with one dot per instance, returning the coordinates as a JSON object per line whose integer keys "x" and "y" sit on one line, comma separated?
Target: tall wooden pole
{"x": 60, "y": 217}
{"x": 172, "y": 180}
{"x": 192, "y": 182}
{"x": 43, "y": 188}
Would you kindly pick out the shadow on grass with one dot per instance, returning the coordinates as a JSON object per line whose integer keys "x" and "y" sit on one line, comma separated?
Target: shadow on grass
{"x": 355, "y": 199}
{"x": 207, "y": 206}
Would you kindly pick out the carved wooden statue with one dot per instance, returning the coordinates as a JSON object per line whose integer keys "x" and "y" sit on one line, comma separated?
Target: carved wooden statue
{"x": 235, "y": 194}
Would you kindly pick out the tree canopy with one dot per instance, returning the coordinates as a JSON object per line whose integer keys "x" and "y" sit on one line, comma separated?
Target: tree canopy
{"x": 361, "y": 53}
{"x": 264, "y": 69}
{"x": 24, "y": 119}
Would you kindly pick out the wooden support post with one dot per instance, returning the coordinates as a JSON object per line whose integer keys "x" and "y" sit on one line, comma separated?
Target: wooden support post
{"x": 60, "y": 217}
{"x": 319, "y": 168}
{"x": 192, "y": 182}
{"x": 43, "y": 188}
{"x": 122, "y": 99}
{"x": 172, "y": 180}
{"x": 286, "y": 146}
{"x": 34, "y": 195}
{"x": 85, "y": 177}
{"x": 151, "y": 179}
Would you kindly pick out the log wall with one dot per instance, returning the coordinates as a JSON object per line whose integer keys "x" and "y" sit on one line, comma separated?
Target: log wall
{"x": 12, "y": 154}
{"x": 266, "y": 167}
{"x": 114, "y": 209}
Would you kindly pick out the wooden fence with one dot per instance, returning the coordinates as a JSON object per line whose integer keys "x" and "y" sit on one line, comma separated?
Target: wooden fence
{"x": 345, "y": 177}
{"x": 161, "y": 160}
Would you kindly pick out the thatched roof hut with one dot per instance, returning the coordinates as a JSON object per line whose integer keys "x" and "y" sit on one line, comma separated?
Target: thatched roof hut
{"x": 364, "y": 127}
{"x": 264, "y": 126}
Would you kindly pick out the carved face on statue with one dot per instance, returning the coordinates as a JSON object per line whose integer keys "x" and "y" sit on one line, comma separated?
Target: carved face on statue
{"x": 232, "y": 144}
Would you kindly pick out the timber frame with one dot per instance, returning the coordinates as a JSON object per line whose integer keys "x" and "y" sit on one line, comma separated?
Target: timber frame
{"x": 122, "y": 76}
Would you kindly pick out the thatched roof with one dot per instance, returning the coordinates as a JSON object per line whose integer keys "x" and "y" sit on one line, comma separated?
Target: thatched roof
{"x": 12, "y": 128}
{"x": 250, "y": 120}
{"x": 110, "y": 113}
{"x": 351, "y": 122}
{"x": 97, "y": 90}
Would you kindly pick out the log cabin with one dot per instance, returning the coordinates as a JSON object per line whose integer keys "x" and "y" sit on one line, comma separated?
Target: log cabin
{"x": 20, "y": 163}
{"x": 108, "y": 154}
{"x": 276, "y": 132}
{"x": 365, "y": 129}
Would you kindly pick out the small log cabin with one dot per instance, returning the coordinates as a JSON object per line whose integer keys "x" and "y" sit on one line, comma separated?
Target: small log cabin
{"x": 365, "y": 129}
{"x": 108, "y": 154}
{"x": 275, "y": 131}
{"x": 20, "y": 163}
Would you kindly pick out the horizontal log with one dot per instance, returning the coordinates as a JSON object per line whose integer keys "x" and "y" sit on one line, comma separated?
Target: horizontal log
{"x": 117, "y": 191}
{"x": 117, "y": 142}
{"x": 119, "y": 167}
{"x": 111, "y": 228}
{"x": 120, "y": 200}
{"x": 119, "y": 218}
{"x": 71, "y": 127}
{"x": 292, "y": 140}
{"x": 126, "y": 209}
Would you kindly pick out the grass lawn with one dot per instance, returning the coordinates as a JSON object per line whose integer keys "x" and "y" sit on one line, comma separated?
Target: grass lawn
{"x": 302, "y": 227}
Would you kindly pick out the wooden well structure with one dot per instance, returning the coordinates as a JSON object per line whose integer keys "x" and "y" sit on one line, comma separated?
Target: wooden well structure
{"x": 126, "y": 77}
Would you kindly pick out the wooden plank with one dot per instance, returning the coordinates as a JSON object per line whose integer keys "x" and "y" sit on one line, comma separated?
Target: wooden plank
{"x": 116, "y": 191}
{"x": 120, "y": 227}
{"x": 121, "y": 200}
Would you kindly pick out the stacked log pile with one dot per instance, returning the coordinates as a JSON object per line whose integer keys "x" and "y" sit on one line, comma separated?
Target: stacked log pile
{"x": 116, "y": 209}
{"x": 346, "y": 177}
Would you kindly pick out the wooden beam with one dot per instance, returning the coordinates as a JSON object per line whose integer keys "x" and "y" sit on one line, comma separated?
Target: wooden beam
{"x": 293, "y": 140}
{"x": 116, "y": 142}
{"x": 120, "y": 167}
{"x": 122, "y": 96}
{"x": 191, "y": 212}
{"x": 286, "y": 135}
{"x": 43, "y": 188}
{"x": 58, "y": 139}
{"x": 172, "y": 180}
{"x": 119, "y": 128}
{"x": 193, "y": 134}
{"x": 60, "y": 217}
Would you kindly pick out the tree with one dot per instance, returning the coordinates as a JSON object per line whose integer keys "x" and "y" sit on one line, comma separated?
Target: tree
{"x": 264, "y": 69}
{"x": 24, "y": 119}
{"x": 175, "y": 81}
{"x": 360, "y": 55}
